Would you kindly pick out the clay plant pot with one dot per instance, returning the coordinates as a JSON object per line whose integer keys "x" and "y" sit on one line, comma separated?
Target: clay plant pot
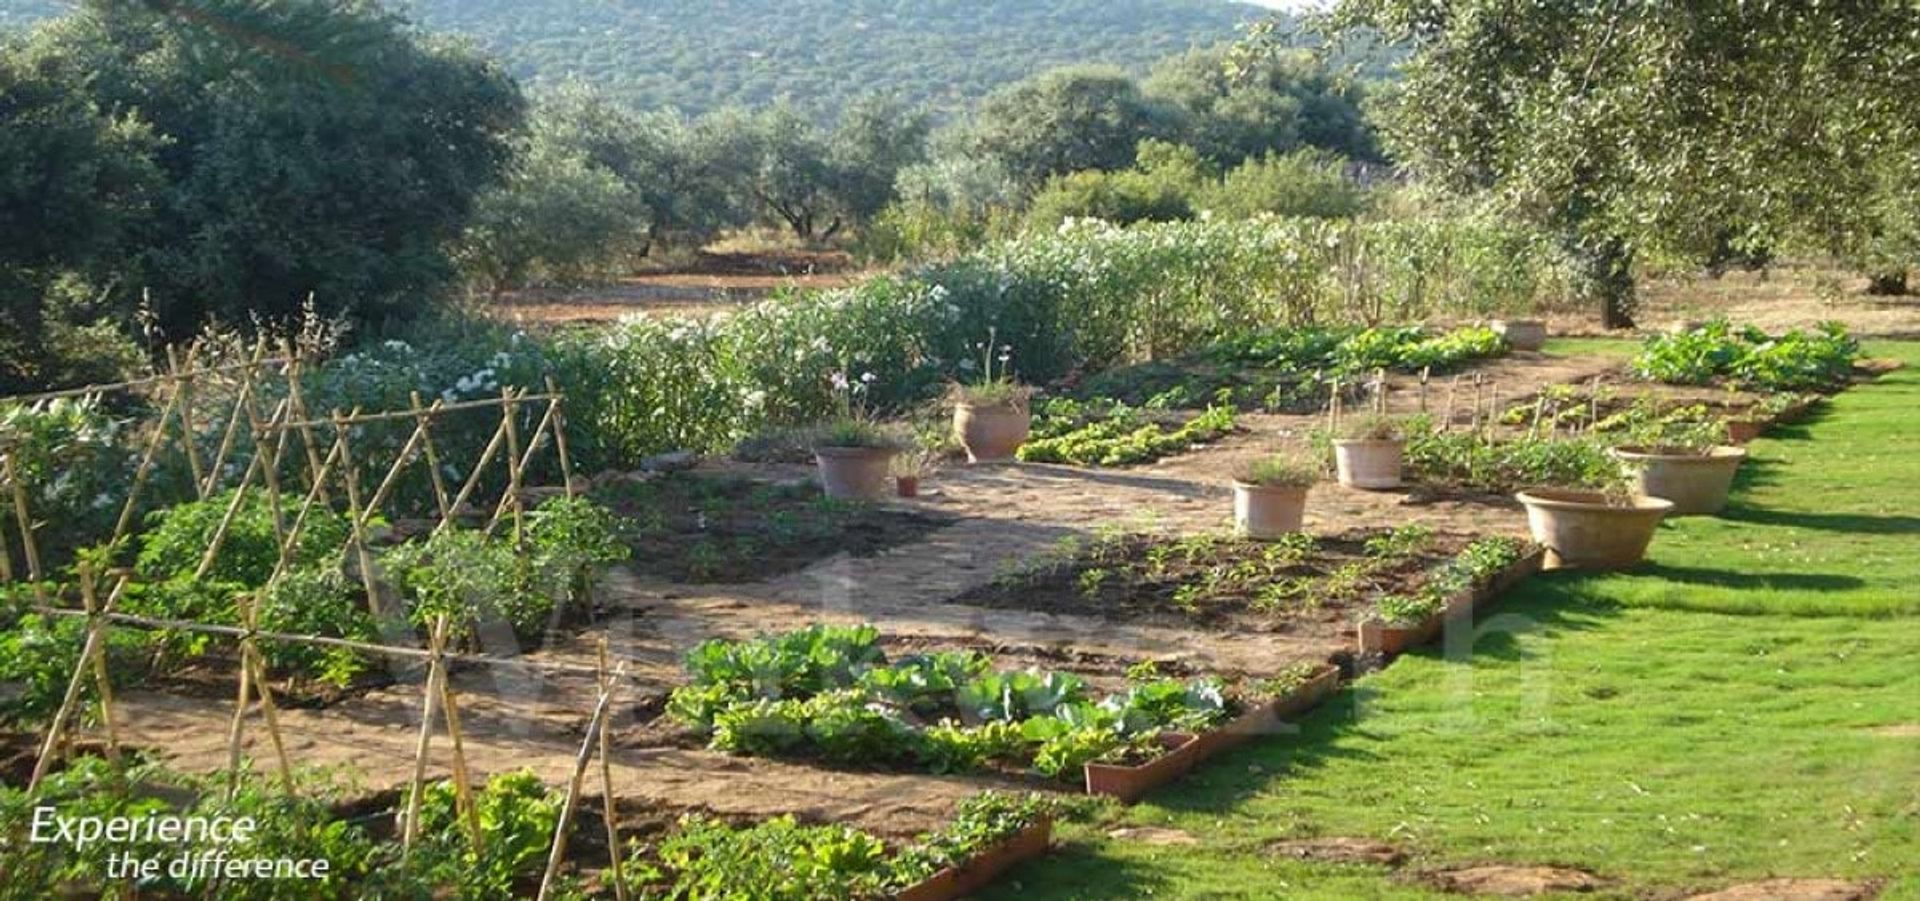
{"x": 1743, "y": 431}
{"x": 1390, "y": 639}
{"x": 906, "y": 486}
{"x": 982, "y": 869}
{"x": 1373, "y": 464}
{"x": 1129, "y": 783}
{"x": 991, "y": 433}
{"x": 1268, "y": 511}
{"x": 1268, "y": 718}
{"x": 1697, "y": 484}
{"x": 1522, "y": 334}
{"x": 854, "y": 473}
{"x": 1583, "y": 529}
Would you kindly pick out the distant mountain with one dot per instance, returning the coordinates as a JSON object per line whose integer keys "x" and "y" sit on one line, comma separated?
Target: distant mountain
{"x": 700, "y": 54}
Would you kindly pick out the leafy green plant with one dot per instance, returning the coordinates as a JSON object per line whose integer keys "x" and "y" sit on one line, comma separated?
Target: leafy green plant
{"x": 473, "y": 579}
{"x": 1717, "y": 351}
{"x": 178, "y": 537}
{"x": 1068, "y": 432}
{"x": 1406, "y": 610}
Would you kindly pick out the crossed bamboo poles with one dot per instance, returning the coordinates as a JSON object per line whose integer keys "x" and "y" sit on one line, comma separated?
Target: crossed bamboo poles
{"x": 273, "y": 433}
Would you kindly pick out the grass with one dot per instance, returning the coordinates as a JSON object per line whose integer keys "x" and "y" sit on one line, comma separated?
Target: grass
{"x": 1726, "y": 714}
{"x": 1586, "y": 347}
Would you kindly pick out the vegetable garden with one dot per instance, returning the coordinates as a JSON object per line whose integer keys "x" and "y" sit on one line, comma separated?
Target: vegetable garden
{"x": 552, "y": 682}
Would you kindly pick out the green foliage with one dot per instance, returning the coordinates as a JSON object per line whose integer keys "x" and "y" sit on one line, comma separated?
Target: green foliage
{"x": 1404, "y": 610}
{"x": 1195, "y": 706}
{"x": 1469, "y": 459}
{"x": 517, "y": 815}
{"x": 72, "y": 458}
{"x": 1631, "y": 128}
{"x": 177, "y": 537}
{"x": 1062, "y": 121}
{"x": 1160, "y": 188}
{"x": 781, "y": 859}
{"x": 340, "y": 177}
{"x": 1279, "y": 104}
{"x": 1748, "y": 357}
{"x": 473, "y": 579}
{"x": 316, "y": 600}
{"x": 1065, "y": 431}
{"x": 1304, "y": 183}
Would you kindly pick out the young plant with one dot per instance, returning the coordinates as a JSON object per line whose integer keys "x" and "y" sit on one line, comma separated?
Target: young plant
{"x": 996, "y": 387}
{"x": 1371, "y": 427}
{"x": 1280, "y": 471}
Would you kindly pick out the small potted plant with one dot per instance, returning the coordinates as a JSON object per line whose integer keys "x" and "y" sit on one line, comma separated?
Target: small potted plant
{"x": 908, "y": 469}
{"x": 1270, "y": 496}
{"x": 1522, "y": 334}
{"x": 855, "y": 454}
{"x": 992, "y": 417}
{"x": 1368, "y": 451}
{"x": 1682, "y": 462}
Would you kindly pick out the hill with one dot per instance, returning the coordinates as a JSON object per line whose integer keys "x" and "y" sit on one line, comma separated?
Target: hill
{"x": 701, "y": 54}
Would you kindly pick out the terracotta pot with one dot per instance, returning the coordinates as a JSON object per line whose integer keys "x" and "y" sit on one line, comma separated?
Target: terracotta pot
{"x": 1369, "y": 463}
{"x": 1129, "y": 783}
{"x": 1376, "y": 637}
{"x": 1264, "y": 512}
{"x": 983, "y": 868}
{"x": 991, "y": 433}
{"x": 1742, "y": 431}
{"x": 854, "y": 473}
{"x": 906, "y": 486}
{"x": 1582, "y": 529}
{"x": 1522, "y": 334}
{"x": 1695, "y": 483}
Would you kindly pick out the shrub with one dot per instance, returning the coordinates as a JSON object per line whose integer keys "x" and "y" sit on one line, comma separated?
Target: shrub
{"x": 1279, "y": 472}
{"x": 1307, "y": 183}
{"x": 178, "y": 537}
{"x": 71, "y": 455}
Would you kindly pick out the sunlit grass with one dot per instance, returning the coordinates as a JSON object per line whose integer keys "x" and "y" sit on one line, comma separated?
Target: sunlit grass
{"x": 1743, "y": 708}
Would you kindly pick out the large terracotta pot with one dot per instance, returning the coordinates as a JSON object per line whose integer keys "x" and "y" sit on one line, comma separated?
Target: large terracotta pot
{"x": 1263, "y": 511}
{"x": 1369, "y": 463}
{"x": 1581, "y": 529}
{"x": 855, "y": 473}
{"x": 991, "y": 433}
{"x": 1522, "y": 334}
{"x": 1695, "y": 483}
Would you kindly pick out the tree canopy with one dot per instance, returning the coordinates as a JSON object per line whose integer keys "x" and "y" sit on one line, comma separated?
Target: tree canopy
{"x": 1635, "y": 127}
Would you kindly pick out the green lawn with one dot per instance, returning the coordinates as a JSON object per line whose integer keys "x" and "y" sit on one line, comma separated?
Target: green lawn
{"x": 1719, "y": 716}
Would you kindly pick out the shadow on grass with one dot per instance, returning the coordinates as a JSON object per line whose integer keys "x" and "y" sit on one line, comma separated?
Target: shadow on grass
{"x": 1077, "y": 869}
{"x": 1853, "y": 523}
{"x": 1546, "y": 605}
{"x": 1722, "y": 578}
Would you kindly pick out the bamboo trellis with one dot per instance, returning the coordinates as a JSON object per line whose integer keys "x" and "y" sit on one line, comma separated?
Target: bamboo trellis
{"x": 332, "y": 470}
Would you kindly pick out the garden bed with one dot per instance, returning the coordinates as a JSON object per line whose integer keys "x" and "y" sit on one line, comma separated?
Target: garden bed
{"x": 730, "y": 529}
{"x": 1299, "y": 584}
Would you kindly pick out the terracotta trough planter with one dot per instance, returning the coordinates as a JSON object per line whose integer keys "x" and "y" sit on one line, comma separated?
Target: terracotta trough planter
{"x": 1391, "y": 639}
{"x": 980, "y": 871}
{"x": 1266, "y": 512}
{"x": 1373, "y": 464}
{"x": 1267, "y": 718}
{"x": 1582, "y": 529}
{"x": 991, "y": 433}
{"x": 1744, "y": 431}
{"x": 1129, "y": 783}
{"x": 854, "y": 473}
{"x": 1697, "y": 484}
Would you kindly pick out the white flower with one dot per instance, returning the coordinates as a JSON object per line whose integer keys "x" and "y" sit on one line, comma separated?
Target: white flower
{"x": 839, "y": 381}
{"x": 866, "y": 378}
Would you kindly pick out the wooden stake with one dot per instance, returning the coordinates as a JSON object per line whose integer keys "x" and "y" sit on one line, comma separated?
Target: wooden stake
{"x": 436, "y": 669}
{"x": 509, "y": 420}
{"x": 253, "y": 663}
{"x": 1453, "y": 389}
{"x": 103, "y": 683}
{"x": 560, "y": 434}
{"x": 189, "y": 437}
{"x": 96, "y": 636}
{"x": 614, "y": 852}
{"x": 1426, "y": 372}
{"x": 356, "y": 517}
{"x": 433, "y": 455}
{"x": 462, "y": 782}
{"x": 558, "y": 854}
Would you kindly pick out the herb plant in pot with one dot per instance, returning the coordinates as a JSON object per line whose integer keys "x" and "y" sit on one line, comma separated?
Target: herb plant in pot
{"x": 992, "y": 417}
{"x": 1682, "y": 462}
{"x": 1522, "y": 334}
{"x": 855, "y": 454}
{"x": 1270, "y": 496}
{"x": 1368, "y": 452}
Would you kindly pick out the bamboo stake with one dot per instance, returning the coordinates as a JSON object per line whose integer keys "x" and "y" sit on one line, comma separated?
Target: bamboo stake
{"x": 127, "y": 386}
{"x": 23, "y": 518}
{"x": 1475, "y": 423}
{"x": 392, "y": 478}
{"x": 433, "y": 455}
{"x": 148, "y": 458}
{"x": 473, "y": 478}
{"x": 358, "y": 418}
{"x": 313, "y": 499}
{"x": 227, "y": 438}
{"x": 356, "y": 518}
{"x": 1426, "y": 372}
{"x": 274, "y": 450}
{"x": 1380, "y": 391}
{"x": 96, "y": 635}
{"x": 6, "y": 554}
{"x": 435, "y": 671}
{"x": 1333, "y": 408}
{"x": 219, "y": 537}
{"x": 509, "y": 419}
{"x": 297, "y": 401}
{"x": 462, "y": 782}
{"x": 184, "y": 385}
{"x": 614, "y": 852}
{"x": 237, "y": 728}
{"x": 1453, "y": 389}
{"x": 558, "y": 853}
{"x": 103, "y": 683}
{"x": 252, "y": 663}
{"x": 558, "y": 405}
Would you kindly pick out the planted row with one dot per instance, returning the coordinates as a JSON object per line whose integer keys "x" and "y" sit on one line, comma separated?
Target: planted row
{"x": 830, "y": 693}
{"x": 1718, "y": 352}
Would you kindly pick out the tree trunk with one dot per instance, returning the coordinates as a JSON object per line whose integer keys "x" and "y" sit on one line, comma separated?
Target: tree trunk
{"x": 1603, "y": 271}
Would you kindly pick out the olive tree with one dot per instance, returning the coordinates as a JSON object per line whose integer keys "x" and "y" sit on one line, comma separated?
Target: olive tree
{"x": 1630, "y": 127}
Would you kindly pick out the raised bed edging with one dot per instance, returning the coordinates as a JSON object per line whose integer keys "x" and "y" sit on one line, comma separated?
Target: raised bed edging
{"x": 1129, "y": 784}
{"x": 1378, "y": 637}
{"x": 983, "y": 868}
